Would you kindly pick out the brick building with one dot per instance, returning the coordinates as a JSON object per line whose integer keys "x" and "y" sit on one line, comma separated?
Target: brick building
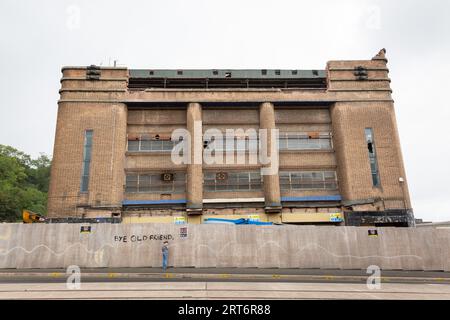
{"x": 340, "y": 160}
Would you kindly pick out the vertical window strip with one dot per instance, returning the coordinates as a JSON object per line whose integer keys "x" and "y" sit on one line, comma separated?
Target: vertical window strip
{"x": 87, "y": 153}
{"x": 372, "y": 157}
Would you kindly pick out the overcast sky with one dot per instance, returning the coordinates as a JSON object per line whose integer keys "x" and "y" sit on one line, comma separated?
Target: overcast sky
{"x": 39, "y": 37}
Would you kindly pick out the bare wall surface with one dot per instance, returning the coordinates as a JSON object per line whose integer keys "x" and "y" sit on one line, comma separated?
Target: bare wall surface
{"x": 203, "y": 245}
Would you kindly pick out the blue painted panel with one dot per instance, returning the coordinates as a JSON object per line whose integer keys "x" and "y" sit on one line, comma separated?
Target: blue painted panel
{"x": 236, "y": 221}
{"x": 145, "y": 202}
{"x": 312, "y": 198}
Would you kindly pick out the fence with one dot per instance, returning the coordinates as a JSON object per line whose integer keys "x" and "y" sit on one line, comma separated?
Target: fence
{"x": 205, "y": 245}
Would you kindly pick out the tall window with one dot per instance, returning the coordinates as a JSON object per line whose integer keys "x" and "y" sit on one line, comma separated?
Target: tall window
{"x": 232, "y": 181}
{"x": 308, "y": 180}
{"x": 86, "y": 160}
{"x": 372, "y": 157}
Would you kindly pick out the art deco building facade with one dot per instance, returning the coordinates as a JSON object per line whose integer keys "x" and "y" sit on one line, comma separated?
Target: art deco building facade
{"x": 340, "y": 160}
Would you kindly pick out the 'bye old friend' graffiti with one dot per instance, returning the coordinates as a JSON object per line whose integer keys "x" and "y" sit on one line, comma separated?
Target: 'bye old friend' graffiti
{"x": 142, "y": 238}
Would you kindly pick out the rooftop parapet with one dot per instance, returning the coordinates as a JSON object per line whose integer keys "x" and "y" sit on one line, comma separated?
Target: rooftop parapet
{"x": 226, "y": 78}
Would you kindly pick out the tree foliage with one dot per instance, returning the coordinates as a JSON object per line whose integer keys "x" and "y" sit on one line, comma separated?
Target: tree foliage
{"x": 23, "y": 183}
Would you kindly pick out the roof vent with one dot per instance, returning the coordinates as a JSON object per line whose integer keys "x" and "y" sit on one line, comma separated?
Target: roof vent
{"x": 93, "y": 72}
{"x": 361, "y": 73}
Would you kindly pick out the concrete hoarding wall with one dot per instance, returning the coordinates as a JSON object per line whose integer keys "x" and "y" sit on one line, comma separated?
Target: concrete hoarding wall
{"x": 139, "y": 245}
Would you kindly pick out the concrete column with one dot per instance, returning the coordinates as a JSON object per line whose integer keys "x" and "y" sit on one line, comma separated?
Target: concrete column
{"x": 271, "y": 182}
{"x": 194, "y": 169}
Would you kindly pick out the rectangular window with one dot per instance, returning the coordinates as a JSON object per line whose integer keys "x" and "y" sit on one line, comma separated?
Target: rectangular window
{"x": 133, "y": 145}
{"x": 86, "y": 160}
{"x": 131, "y": 183}
{"x": 155, "y": 183}
{"x": 304, "y": 141}
{"x": 308, "y": 180}
{"x": 144, "y": 143}
{"x": 372, "y": 157}
{"x": 232, "y": 181}
{"x": 235, "y": 144}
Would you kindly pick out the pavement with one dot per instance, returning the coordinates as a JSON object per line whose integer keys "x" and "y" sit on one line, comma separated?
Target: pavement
{"x": 223, "y": 290}
{"x": 221, "y": 283}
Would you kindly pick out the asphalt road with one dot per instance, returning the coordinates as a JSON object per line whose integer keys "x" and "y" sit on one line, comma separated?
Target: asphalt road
{"x": 221, "y": 283}
{"x": 110, "y": 275}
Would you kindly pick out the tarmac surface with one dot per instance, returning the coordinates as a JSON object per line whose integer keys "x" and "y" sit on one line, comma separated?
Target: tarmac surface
{"x": 221, "y": 283}
{"x": 221, "y": 274}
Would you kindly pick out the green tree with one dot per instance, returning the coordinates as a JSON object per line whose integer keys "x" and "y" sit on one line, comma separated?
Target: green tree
{"x": 10, "y": 152}
{"x": 39, "y": 172}
{"x": 23, "y": 183}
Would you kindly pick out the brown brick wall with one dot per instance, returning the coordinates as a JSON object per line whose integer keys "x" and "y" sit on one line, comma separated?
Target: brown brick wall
{"x": 108, "y": 122}
{"x": 349, "y": 122}
{"x": 346, "y": 108}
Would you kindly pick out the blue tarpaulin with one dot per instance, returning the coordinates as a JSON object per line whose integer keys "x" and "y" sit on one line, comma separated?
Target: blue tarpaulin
{"x": 236, "y": 221}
